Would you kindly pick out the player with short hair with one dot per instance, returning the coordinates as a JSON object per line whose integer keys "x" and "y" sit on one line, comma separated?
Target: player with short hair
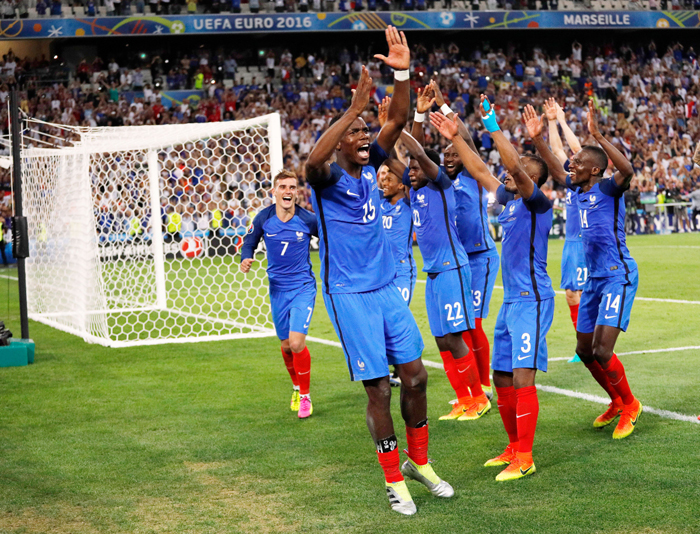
{"x": 574, "y": 271}
{"x": 373, "y": 323}
{"x": 520, "y": 343}
{"x": 398, "y": 225}
{"x": 287, "y": 230}
{"x": 607, "y": 298}
{"x": 448, "y": 288}
{"x": 473, "y": 229}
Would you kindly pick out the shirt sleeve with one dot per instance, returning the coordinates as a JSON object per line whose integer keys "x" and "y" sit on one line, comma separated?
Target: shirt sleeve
{"x": 377, "y": 156}
{"x": 538, "y": 201}
{"x": 569, "y": 184}
{"x": 335, "y": 175}
{"x": 405, "y": 179}
{"x": 566, "y": 165}
{"x": 610, "y": 188}
{"x": 309, "y": 219}
{"x": 442, "y": 180}
{"x": 252, "y": 238}
{"x": 503, "y": 196}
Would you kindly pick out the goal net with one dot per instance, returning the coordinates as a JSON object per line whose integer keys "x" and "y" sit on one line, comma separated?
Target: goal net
{"x": 135, "y": 231}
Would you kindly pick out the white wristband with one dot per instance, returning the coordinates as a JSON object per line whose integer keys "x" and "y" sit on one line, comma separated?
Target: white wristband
{"x": 446, "y": 110}
{"x": 401, "y": 75}
{"x": 419, "y": 117}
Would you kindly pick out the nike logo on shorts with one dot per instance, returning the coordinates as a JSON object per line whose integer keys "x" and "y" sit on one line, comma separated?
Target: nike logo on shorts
{"x": 457, "y": 324}
{"x": 523, "y": 357}
{"x": 352, "y": 194}
{"x": 610, "y": 316}
{"x": 270, "y": 235}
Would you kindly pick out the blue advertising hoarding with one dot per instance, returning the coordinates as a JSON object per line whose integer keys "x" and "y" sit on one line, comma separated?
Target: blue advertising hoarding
{"x": 321, "y": 22}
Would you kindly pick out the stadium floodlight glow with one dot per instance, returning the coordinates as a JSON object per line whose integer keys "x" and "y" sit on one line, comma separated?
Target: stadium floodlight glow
{"x": 108, "y": 259}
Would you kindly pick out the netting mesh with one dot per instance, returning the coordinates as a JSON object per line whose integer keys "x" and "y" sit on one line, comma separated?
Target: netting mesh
{"x": 135, "y": 232}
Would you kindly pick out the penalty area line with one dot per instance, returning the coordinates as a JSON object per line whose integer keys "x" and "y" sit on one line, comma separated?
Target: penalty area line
{"x": 666, "y": 414}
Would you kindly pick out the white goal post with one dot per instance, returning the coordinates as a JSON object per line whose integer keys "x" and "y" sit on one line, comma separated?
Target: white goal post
{"x": 135, "y": 231}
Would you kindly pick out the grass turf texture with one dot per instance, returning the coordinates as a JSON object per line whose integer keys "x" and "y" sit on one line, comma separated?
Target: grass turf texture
{"x": 199, "y": 438}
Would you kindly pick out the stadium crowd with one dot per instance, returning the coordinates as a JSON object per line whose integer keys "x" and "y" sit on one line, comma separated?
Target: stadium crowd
{"x": 647, "y": 97}
{"x": 91, "y": 8}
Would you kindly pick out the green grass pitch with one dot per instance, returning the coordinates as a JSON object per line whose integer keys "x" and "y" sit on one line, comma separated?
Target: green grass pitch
{"x": 199, "y": 438}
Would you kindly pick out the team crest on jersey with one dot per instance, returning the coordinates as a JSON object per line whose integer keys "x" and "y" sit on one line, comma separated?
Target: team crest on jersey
{"x": 456, "y": 182}
{"x": 421, "y": 199}
{"x": 592, "y": 199}
{"x": 398, "y": 208}
{"x": 367, "y": 175}
{"x": 512, "y": 208}
{"x": 300, "y": 235}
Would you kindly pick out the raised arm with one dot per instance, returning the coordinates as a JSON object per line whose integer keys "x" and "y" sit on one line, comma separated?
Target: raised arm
{"x": 550, "y": 109}
{"x": 471, "y": 160}
{"x": 625, "y": 172}
{"x": 424, "y": 101}
{"x": 416, "y": 150}
{"x": 317, "y": 167}
{"x": 569, "y": 135}
{"x": 447, "y": 112}
{"x": 509, "y": 156}
{"x": 396, "y": 166}
{"x": 400, "y": 60}
{"x": 533, "y": 123}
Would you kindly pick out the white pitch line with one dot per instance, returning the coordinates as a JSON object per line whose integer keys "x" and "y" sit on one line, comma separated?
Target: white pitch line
{"x": 551, "y": 389}
{"x": 650, "y": 351}
{"x": 648, "y": 299}
{"x": 601, "y": 400}
{"x": 8, "y": 277}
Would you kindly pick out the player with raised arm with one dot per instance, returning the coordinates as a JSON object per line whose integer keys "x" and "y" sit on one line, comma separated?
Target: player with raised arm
{"x": 574, "y": 272}
{"x": 607, "y": 298}
{"x": 287, "y": 230}
{"x": 520, "y": 343}
{"x": 398, "y": 224}
{"x": 473, "y": 229}
{"x": 448, "y": 288}
{"x": 373, "y": 323}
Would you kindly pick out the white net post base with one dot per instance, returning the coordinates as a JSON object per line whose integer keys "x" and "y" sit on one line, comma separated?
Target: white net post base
{"x": 135, "y": 231}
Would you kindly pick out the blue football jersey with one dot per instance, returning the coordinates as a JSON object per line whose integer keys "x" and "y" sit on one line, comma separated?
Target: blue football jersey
{"x": 472, "y": 217}
{"x": 398, "y": 225}
{"x": 287, "y": 243}
{"x": 602, "y": 217}
{"x": 434, "y": 208}
{"x": 354, "y": 249}
{"x": 526, "y": 225}
{"x": 573, "y": 222}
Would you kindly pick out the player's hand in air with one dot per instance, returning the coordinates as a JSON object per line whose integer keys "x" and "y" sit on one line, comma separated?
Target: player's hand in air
{"x": 399, "y": 53}
{"x": 447, "y": 128}
{"x": 425, "y": 99}
{"x": 550, "y": 109}
{"x": 592, "y": 119}
{"x": 383, "y": 110}
{"x": 532, "y": 121}
{"x": 245, "y": 265}
{"x": 439, "y": 99}
{"x": 360, "y": 96}
{"x": 561, "y": 116}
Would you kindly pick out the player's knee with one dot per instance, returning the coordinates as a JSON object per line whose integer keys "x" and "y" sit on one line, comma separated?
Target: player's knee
{"x": 601, "y": 353}
{"x": 572, "y": 297}
{"x": 379, "y": 393}
{"x": 285, "y": 346}
{"x": 297, "y": 344}
{"x": 416, "y": 383}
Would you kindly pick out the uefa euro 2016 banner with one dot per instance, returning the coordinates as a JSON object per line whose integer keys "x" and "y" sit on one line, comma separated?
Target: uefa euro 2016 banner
{"x": 363, "y": 21}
